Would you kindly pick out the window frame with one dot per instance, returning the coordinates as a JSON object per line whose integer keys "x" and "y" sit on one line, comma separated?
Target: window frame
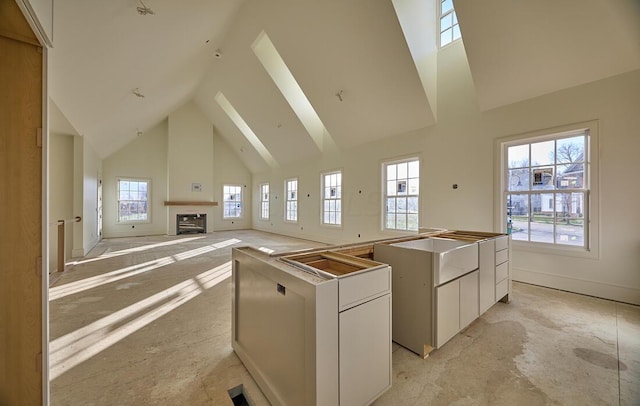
{"x": 224, "y": 202}
{"x": 591, "y": 188}
{"x": 385, "y": 196}
{"x": 264, "y": 204}
{"x": 454, "y": 23}
{"x": 323, "y": 186}
{"x": 287, "y": 200}
{"x": 148, "y": 200}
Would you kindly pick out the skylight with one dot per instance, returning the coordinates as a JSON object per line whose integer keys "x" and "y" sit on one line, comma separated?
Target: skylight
{"x": 245, "y": 129}
{"x": 291, "y": 90}
{"x": 449, "y": 28}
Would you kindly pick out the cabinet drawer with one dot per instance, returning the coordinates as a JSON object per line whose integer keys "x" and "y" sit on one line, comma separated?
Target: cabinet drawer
{"x": 502, "y": 243}
{"x": 359, "y": 288}
{"x": 502, "y": 289}
{"x": 502, "y": 256}
{"x": 502, "y": 271}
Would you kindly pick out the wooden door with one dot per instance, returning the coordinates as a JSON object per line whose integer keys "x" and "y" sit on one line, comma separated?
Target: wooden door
{"x": 21, "y": 286}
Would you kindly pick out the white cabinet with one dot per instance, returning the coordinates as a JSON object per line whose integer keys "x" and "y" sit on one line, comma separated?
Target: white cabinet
{"x": 487, "y": 249}
{"x": 494, "y": 271}
{"x": 448, "y": 312}
{"x": 365, "y": 351}
{"x": 468, "y": 299}
{"x": 313, "y": 329}
{"x": 457, "y": 306}
{"x": 503, "y": 279}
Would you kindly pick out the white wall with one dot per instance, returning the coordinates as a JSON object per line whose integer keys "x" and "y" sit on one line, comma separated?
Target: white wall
{"x": 460, "y": 149}
{"x": 92, "y": 168}
{"x": 190, "y": 152}
{"x": 87, "y": 166}
{"x": 145, "y": 157}
{"x": 228, "y": 169}
{"x": 60, "y": 194}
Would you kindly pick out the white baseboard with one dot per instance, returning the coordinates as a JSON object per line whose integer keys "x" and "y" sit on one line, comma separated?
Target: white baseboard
{"x": 576, "y": 285}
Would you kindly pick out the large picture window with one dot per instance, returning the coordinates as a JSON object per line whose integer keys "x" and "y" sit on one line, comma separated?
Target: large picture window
{"x": 133, "y": 200}
{"x": 547, "y": 188}
{"x": 332, "y": 198}
{"x": 291, "y": 208}
{"x": 232, "y": 200}
{"x": 401, "y": 192}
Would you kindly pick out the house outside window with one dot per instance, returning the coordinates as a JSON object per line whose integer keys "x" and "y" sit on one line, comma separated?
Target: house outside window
{"x": 264, "y": 201}
{"x": 291, "y": 201}
{"x": 449, "y": 28}
{"x": 547, "y": 189}
{"x": 232, "y": 201}
{"x": 401, "y": 194}
{"x": 332, "y": 198}
{"x": 133, "y": 200}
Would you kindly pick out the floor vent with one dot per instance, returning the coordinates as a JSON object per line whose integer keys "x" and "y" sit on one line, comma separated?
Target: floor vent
{"x": 237, "y": 396}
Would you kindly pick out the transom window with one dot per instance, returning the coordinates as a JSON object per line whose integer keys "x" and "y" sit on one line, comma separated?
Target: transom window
{"x": 264, "y": 201}
{"x": 449, "y": 28}
{"x": 547, "y": 189}
{"x": 401, "y": 192}
{"x": 291, "y": 205}
{"x": 232, "y": 201}
{"x": 332, "y": 198}
{"x": 133, "y": 199}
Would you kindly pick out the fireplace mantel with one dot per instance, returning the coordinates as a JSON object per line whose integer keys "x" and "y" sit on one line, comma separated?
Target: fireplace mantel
{"x": 184, "y": 203}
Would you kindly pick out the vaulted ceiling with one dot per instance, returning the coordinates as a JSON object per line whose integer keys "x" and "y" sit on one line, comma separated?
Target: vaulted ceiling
{"x": 302, "y": 75}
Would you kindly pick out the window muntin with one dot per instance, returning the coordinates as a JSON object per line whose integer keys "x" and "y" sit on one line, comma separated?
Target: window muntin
{"x": 547, "y": 189}
{"x": 133, "y": 199}
{"x": 264, "y": 201}
{"x": 401, "y": 194}
{"x": 332, "y": 198}
{"x": 449, "y": 27}
{"x": 291, "y": 202}
{"x": 232, "y": 201}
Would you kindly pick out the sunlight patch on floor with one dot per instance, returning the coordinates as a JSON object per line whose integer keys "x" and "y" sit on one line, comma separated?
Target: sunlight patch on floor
{"x": 71, "y": 288}
{"x": 113, "y": 254}
{"x": 72, "y": 349}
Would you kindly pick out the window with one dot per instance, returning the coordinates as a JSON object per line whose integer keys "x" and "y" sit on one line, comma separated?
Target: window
{"x": 547, "y": 188}
{"x": 264, "y": 201}
{"x": 232, "y": 200}
{"x": 133, "y": 198}
{"x": 449, "y": 28}
{"x": 291, "y": 209}
{"x": 332, "y": 198}
{"x": 402, "y": 182}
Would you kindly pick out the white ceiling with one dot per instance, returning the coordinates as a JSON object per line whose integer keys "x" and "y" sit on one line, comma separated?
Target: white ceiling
{"x": 103, "y": 50}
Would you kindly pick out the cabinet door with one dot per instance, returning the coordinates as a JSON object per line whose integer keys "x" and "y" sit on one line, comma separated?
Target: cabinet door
{"x": 487, "y": 274}
{"x": 468, "y": 299}
{"x": 448, "y": 313}
{"x": 365, "y": 351}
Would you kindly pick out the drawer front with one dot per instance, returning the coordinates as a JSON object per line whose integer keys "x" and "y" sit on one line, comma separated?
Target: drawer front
{"x": 502, "y": 272}
{"x": 362, "y": 287}
{"x": 502, "y": 289}
{"x": 502, "y": 256}
{"x": 502, "y": 243}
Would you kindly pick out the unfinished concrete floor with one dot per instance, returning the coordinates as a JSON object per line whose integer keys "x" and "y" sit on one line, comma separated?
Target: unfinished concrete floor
{"x": 146, "y": 321}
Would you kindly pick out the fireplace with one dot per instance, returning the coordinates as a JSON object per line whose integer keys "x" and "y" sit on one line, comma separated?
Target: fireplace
{"x": 191, "y": 223}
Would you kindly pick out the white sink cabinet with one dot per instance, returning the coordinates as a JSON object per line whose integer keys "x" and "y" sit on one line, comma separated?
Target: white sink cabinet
{"x": 435, "y": 289}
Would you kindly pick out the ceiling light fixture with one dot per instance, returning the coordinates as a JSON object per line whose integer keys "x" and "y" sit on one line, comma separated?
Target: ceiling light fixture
{"x": 144, "y": 10}
{"x": 136, "y": 92}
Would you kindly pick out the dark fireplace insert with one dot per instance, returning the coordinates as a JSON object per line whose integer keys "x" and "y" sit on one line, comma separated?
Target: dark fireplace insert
{"x": 191, "y": 223}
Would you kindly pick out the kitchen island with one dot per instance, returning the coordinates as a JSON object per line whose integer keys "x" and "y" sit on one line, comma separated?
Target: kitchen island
{"x": 314, "y": 327}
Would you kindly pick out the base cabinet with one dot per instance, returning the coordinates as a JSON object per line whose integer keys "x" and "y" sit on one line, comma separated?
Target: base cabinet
{"x": 457, "y": 306}
{"x": 365, "y": 355}
{"x": 308, "y": 339}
